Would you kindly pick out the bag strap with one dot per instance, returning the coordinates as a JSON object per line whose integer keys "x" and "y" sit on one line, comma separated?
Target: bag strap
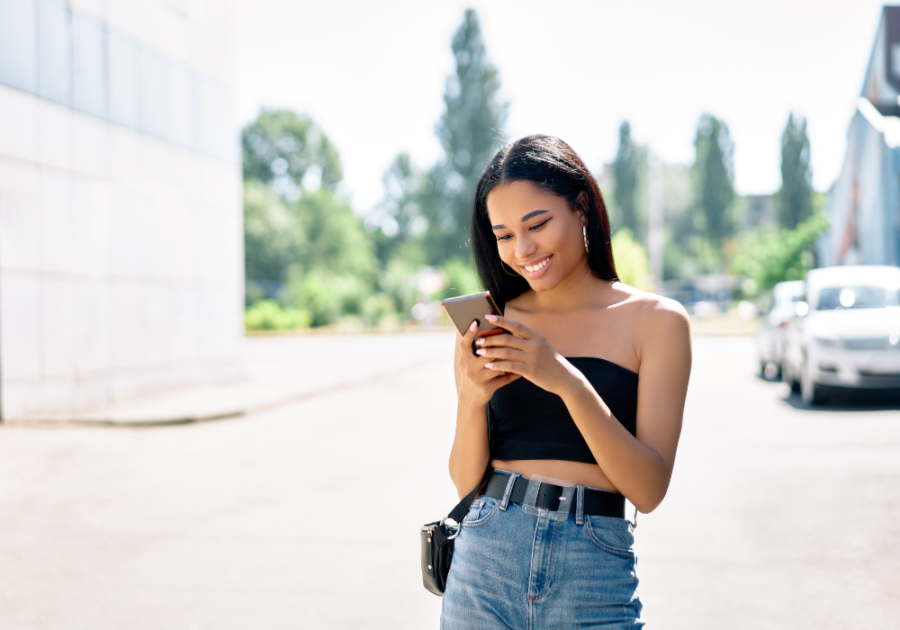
{"x": 459, "y": 512}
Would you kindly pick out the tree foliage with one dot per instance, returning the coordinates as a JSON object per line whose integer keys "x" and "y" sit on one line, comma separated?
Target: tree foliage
{"x": 281, "y": 148}
{"x": 713, "y": 181}
{"x": 274, "y": 237}
{"x": 303, "y": 238}
{"x": 770, "y": 255}
{"x": 794, "y": 201}
{"x": 470, "y": 130}
{"x": 628, "y": 168}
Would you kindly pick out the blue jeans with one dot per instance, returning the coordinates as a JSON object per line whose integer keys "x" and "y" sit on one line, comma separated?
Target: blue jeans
{"x": 526, "y": 568}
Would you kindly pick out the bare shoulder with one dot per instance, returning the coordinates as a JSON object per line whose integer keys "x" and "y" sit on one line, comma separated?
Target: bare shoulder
{"x": 657, "y": 318}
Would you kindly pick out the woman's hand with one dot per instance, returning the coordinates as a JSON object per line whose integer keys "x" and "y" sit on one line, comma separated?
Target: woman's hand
{"x": 527, "y": 353}
{"x": 478, "y": 382}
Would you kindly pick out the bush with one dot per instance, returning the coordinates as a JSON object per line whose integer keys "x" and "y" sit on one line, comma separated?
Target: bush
{"x": 631, "y": 260}
{"x": 269, "y": 315}
{"x": 327, "y": 296}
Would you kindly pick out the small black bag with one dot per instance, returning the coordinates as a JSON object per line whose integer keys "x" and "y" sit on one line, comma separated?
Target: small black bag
{"x": 437, "y": 542}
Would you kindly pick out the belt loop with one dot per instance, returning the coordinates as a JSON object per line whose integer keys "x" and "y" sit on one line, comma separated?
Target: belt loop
{"x": 565, "y": 501}
{"x": 579, "y": 510}
{"x": 531, "y": 493}
{"x": 506, "y": 493}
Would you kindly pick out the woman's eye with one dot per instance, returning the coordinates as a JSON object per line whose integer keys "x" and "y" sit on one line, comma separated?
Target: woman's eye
{"x": 539, "y": 225}
{"x": 505, "y": 237}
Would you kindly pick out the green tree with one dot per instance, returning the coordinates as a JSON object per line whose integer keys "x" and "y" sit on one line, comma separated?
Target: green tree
{"x": 398, "y": 221}
{"x": 713, "y": 182}
{"x": 627, "y": 171}
{"x": 274, "y": 238}
{"x": 470, "y": 130}
{"x": 794, "y": 200}
{"x": 281, "y": 148}
{"x": 770, "y": 255}
{"x": 301, "y": 235}
{"x": 335, "y": 272}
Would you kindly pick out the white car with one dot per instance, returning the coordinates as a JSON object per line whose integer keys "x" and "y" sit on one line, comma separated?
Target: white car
{"x": 846, "y": 332}
{"x": 778, "y": 309}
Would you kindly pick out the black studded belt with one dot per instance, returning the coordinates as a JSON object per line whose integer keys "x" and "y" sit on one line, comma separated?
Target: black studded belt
{"x": 596, "y": 502}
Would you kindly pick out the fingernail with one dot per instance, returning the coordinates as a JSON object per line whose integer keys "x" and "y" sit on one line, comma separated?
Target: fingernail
{"x": 473, "y": 326}
{"x": 491, "y": 318}
{"x": 488, "y": 365}
{"x": 481, "y": 351}
{"x": 480, "y": 341}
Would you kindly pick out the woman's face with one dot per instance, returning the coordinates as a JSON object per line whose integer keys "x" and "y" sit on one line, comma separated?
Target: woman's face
{"x": 538, "y": 235}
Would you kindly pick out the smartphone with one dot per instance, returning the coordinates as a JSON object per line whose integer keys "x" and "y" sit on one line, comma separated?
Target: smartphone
{"x": 465, "y": 309}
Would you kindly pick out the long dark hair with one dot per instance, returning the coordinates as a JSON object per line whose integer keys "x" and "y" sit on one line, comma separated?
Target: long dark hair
{"x": 554, "y": 166}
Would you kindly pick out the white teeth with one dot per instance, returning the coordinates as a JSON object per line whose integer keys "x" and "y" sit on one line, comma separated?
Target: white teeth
{"x": 540, "y": 265}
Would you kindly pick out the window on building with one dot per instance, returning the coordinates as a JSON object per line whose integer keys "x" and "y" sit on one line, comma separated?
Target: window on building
{"x": 214, "y": 128}
{"x": 54, "y": 52}
{"x": 154, "y": 95}
{"x": 124, "y": 81}
{"x": 89, "y": 66}
{"x": 181, "y": 104}
{"x": 18, "y": 44}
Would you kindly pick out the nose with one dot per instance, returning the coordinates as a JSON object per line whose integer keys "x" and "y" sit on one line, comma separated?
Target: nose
{"x": 524, "y": 248}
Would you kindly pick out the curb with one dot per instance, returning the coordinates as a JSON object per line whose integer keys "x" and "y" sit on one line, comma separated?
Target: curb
{"x": 221, "y": 414}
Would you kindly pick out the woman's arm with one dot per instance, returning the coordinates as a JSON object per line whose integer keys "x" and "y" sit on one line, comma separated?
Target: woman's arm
{"x": 474, "y": 387}
{"x": 639, "y": 467}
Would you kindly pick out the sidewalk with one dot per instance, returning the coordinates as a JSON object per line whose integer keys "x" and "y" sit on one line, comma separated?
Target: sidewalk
{"x": 279, "y": 369}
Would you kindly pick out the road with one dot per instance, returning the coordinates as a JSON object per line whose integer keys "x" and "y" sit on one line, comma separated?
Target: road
{"x": 307, "y": 515}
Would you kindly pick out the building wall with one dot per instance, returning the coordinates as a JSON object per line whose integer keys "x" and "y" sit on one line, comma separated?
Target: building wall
{"x": 864, "y": 203}
{"x": 121, "y": 264}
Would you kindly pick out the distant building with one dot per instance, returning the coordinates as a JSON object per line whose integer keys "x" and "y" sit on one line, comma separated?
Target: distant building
{"x": 121, "y": 259}
{"x": 864, "y": 202}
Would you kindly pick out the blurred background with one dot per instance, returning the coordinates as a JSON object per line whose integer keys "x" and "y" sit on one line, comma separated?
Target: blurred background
{"x": 220, "y": 209}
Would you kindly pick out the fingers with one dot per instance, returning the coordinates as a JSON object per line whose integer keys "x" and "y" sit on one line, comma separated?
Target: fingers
{"x": 512, "y": 326}
{"x": 496, "y": 352}
{"x": 466, "y": 341}
{"x": 504, "y": 379}
{"x": 508, "y": 341}
{"x": 513, "y": 367}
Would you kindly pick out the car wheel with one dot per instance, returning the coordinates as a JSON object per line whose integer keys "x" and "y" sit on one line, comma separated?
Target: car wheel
{"x": 811, "y": 392}
{"x": 787, "y": 376}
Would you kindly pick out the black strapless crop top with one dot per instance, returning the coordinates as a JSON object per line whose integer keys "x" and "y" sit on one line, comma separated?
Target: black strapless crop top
{"x": 527, "y": 422}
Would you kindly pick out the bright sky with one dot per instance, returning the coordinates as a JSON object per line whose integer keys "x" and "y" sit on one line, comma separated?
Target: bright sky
{"x": 372, "y": 75}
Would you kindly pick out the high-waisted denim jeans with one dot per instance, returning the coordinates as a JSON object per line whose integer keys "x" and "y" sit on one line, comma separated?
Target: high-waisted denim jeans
{"x": 526, "y": 568}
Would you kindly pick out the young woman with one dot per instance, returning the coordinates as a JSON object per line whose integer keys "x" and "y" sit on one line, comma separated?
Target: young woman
{"x": 578, "y": 408}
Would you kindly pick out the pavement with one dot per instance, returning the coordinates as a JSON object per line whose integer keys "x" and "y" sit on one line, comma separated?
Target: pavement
{"x": 277, "y": 370}
{"x": 306, "y": 514}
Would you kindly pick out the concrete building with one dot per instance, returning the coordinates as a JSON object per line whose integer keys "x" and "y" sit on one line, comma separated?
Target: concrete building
{"x": 864, "y": 203}
{"x": 121, "y": 265}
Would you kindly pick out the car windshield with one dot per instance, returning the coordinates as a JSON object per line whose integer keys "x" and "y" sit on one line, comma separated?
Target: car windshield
{"x": 832, "y": 298}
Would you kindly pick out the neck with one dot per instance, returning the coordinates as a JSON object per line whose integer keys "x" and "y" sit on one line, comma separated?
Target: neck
{"x": 578, "y": 289}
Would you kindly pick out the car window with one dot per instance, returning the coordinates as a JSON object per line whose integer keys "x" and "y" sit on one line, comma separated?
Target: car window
{"x": 832, "y": 298}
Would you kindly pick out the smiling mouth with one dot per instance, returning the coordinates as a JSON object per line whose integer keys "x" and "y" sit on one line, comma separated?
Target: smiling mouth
{"x": 536, "y": 268}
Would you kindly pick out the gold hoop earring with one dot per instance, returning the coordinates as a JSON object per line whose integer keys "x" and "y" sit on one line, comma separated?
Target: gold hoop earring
{"x": 584, "y": 232}
{"x": 502, "y": 264}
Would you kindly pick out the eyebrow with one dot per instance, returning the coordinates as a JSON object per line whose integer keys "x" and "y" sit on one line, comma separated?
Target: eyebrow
{"x": 530, "y": 215}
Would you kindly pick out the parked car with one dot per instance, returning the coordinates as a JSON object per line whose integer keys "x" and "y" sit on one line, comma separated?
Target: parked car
{"x": 846, "y": 332}
{"x": 777, "y": 310}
